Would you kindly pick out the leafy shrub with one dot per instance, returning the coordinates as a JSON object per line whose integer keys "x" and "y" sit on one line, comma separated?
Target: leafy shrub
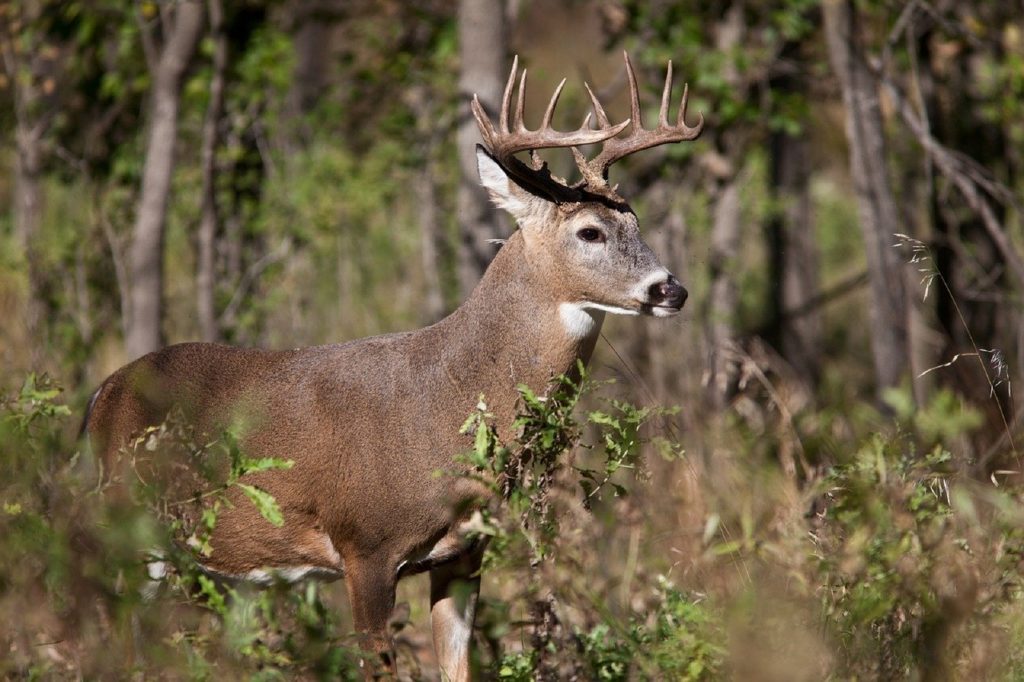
{"x": 681, "y": 640}
{"x": 76, "y": 598}
{"x": 540, "y": 484}
{"x": 910, "y": 567}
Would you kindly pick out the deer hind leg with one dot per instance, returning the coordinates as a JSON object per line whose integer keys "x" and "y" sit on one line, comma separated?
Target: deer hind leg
{"x": 371, "y": 593}
{"x": 454, "y": 588}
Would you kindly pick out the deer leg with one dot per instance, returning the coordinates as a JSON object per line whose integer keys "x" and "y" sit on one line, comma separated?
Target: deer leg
{"x": 371, "y": 593}
{"x": 454, "y": 588}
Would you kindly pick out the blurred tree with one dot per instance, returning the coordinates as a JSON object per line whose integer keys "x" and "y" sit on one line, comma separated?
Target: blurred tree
{"x": 483, "y": 51}
{"x": 723, "y": 299}
{"x": 209, "y": 329}
{"x": 879, "y": 218}
{"x": 425, "y": 189}
{"x": 167, "y": 56}
{"x": 311, "y": 24}
{"x": 795, "y": 327}
{"x": 31, "y": 61}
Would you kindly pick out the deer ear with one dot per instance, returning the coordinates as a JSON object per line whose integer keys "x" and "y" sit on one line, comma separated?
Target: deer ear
{"x": 504, "y": 191}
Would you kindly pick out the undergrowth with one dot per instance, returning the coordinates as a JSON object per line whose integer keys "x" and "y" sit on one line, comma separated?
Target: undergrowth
{"x": 892, "y": 562}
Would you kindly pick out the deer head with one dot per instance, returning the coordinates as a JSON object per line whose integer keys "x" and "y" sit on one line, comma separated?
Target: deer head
{"x": 583, "y": 236}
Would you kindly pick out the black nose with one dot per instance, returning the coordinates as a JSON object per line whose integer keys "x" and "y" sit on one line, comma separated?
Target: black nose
{"x": 669, "y": 293}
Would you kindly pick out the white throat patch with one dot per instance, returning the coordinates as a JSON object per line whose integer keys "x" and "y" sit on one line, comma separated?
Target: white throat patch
{"x": 580, "y": 320}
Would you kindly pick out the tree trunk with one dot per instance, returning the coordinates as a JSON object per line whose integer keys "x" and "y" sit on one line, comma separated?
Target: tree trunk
{"x": 431, "y": 238}
{"x": 311, "y": 31}
{"x": 206, "y": 259}
{"x": 482, "y": 48}
{"x": 876, "y": 206}
{"x": 24, "y": 67}
{"x": 723, "y": 298}
{"x": 793, "y": 250}
{"x": 425, "y": 188}
{"x": 28, "y": 216}
{"x": 143, "y": 333}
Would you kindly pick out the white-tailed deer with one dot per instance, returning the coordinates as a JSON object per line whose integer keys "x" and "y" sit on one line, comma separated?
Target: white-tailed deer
{"x": 369, "y": 423}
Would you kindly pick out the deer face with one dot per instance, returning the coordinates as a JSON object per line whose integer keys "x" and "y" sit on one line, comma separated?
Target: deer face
{"x": 589, "y": 251}
{"x": 607, "y": 265}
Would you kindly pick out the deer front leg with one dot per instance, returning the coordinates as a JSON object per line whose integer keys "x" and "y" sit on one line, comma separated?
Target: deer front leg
{"x": 454, "y": 588}
{"x": 371, "y": 593}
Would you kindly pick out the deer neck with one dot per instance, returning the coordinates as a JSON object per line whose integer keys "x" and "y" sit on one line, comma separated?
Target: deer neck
{"x": 515, "y": 330}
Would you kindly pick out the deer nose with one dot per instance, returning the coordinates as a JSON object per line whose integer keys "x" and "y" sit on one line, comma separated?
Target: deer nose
{"x": 669, "y": 293}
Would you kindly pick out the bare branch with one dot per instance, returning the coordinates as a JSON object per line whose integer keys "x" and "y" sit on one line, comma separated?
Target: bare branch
{"x": 250, "y": 277}
{"x": 958, "y": 169}
{"x": 149, "y": 46}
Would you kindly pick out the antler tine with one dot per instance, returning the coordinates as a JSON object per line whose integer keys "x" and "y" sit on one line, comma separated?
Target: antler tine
{"x": 666, "y": 94}
{"x": 517, "y": 119}
{"x": 506, "y": 98}
{"x": 602, "y": 117}
{"x": 550, "y": 111}
{"x": 483, "y": 121}
{"x": 634, "y": 95}
{"x": 681, "y": 119}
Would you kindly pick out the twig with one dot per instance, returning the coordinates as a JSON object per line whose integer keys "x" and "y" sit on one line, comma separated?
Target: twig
{"x": 898, "y": 28}
{"x": 254, "y": 271}
{"x": 950, "y": 27}
{"x": 117, "y": 256}
{"x": 749, "y": 364}
{"x": 823, "y": 298}
{"x": 947, "y": 364}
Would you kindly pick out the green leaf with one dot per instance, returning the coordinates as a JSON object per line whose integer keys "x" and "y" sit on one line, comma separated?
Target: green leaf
{"x": 482, "y": 440}
{"x": 249, "y": 466}
{"x": 265, "y": 503}
{"x": 214, "y": 599}
{"x": 727, "y": 547}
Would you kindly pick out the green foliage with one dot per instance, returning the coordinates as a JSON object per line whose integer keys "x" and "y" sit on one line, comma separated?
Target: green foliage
{"x": 680, "y": 640}
{"x": 619, "y": 430}
{"x": 944, "y": 418}
{"x": 524, "y": 473}
{"x": 723, "y": 79}
{"x": 34, "y": 404}
{"x": 901, "y": 558}
{"x": 265, "y": 502}
{"x": 515, "y": 667}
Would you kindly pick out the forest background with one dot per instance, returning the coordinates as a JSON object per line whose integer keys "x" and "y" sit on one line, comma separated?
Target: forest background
{"x": 839, "y": 490}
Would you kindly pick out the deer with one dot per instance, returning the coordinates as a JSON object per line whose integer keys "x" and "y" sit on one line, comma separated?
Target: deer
{"x": 369, "y": 423}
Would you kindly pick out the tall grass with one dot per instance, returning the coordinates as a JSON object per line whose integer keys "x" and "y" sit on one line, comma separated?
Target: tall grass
{"x": 891, "y": 562}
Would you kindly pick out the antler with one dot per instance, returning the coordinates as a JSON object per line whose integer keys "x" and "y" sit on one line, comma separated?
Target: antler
{"x": 595, "y": 171}
{"x": 505, "y": 142}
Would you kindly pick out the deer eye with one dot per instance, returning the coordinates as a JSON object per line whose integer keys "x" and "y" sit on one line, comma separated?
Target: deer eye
{"x": 591, "y": 234}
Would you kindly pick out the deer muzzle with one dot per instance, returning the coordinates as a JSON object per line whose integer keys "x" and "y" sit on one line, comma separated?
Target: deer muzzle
{"x": 666, "y": 297}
